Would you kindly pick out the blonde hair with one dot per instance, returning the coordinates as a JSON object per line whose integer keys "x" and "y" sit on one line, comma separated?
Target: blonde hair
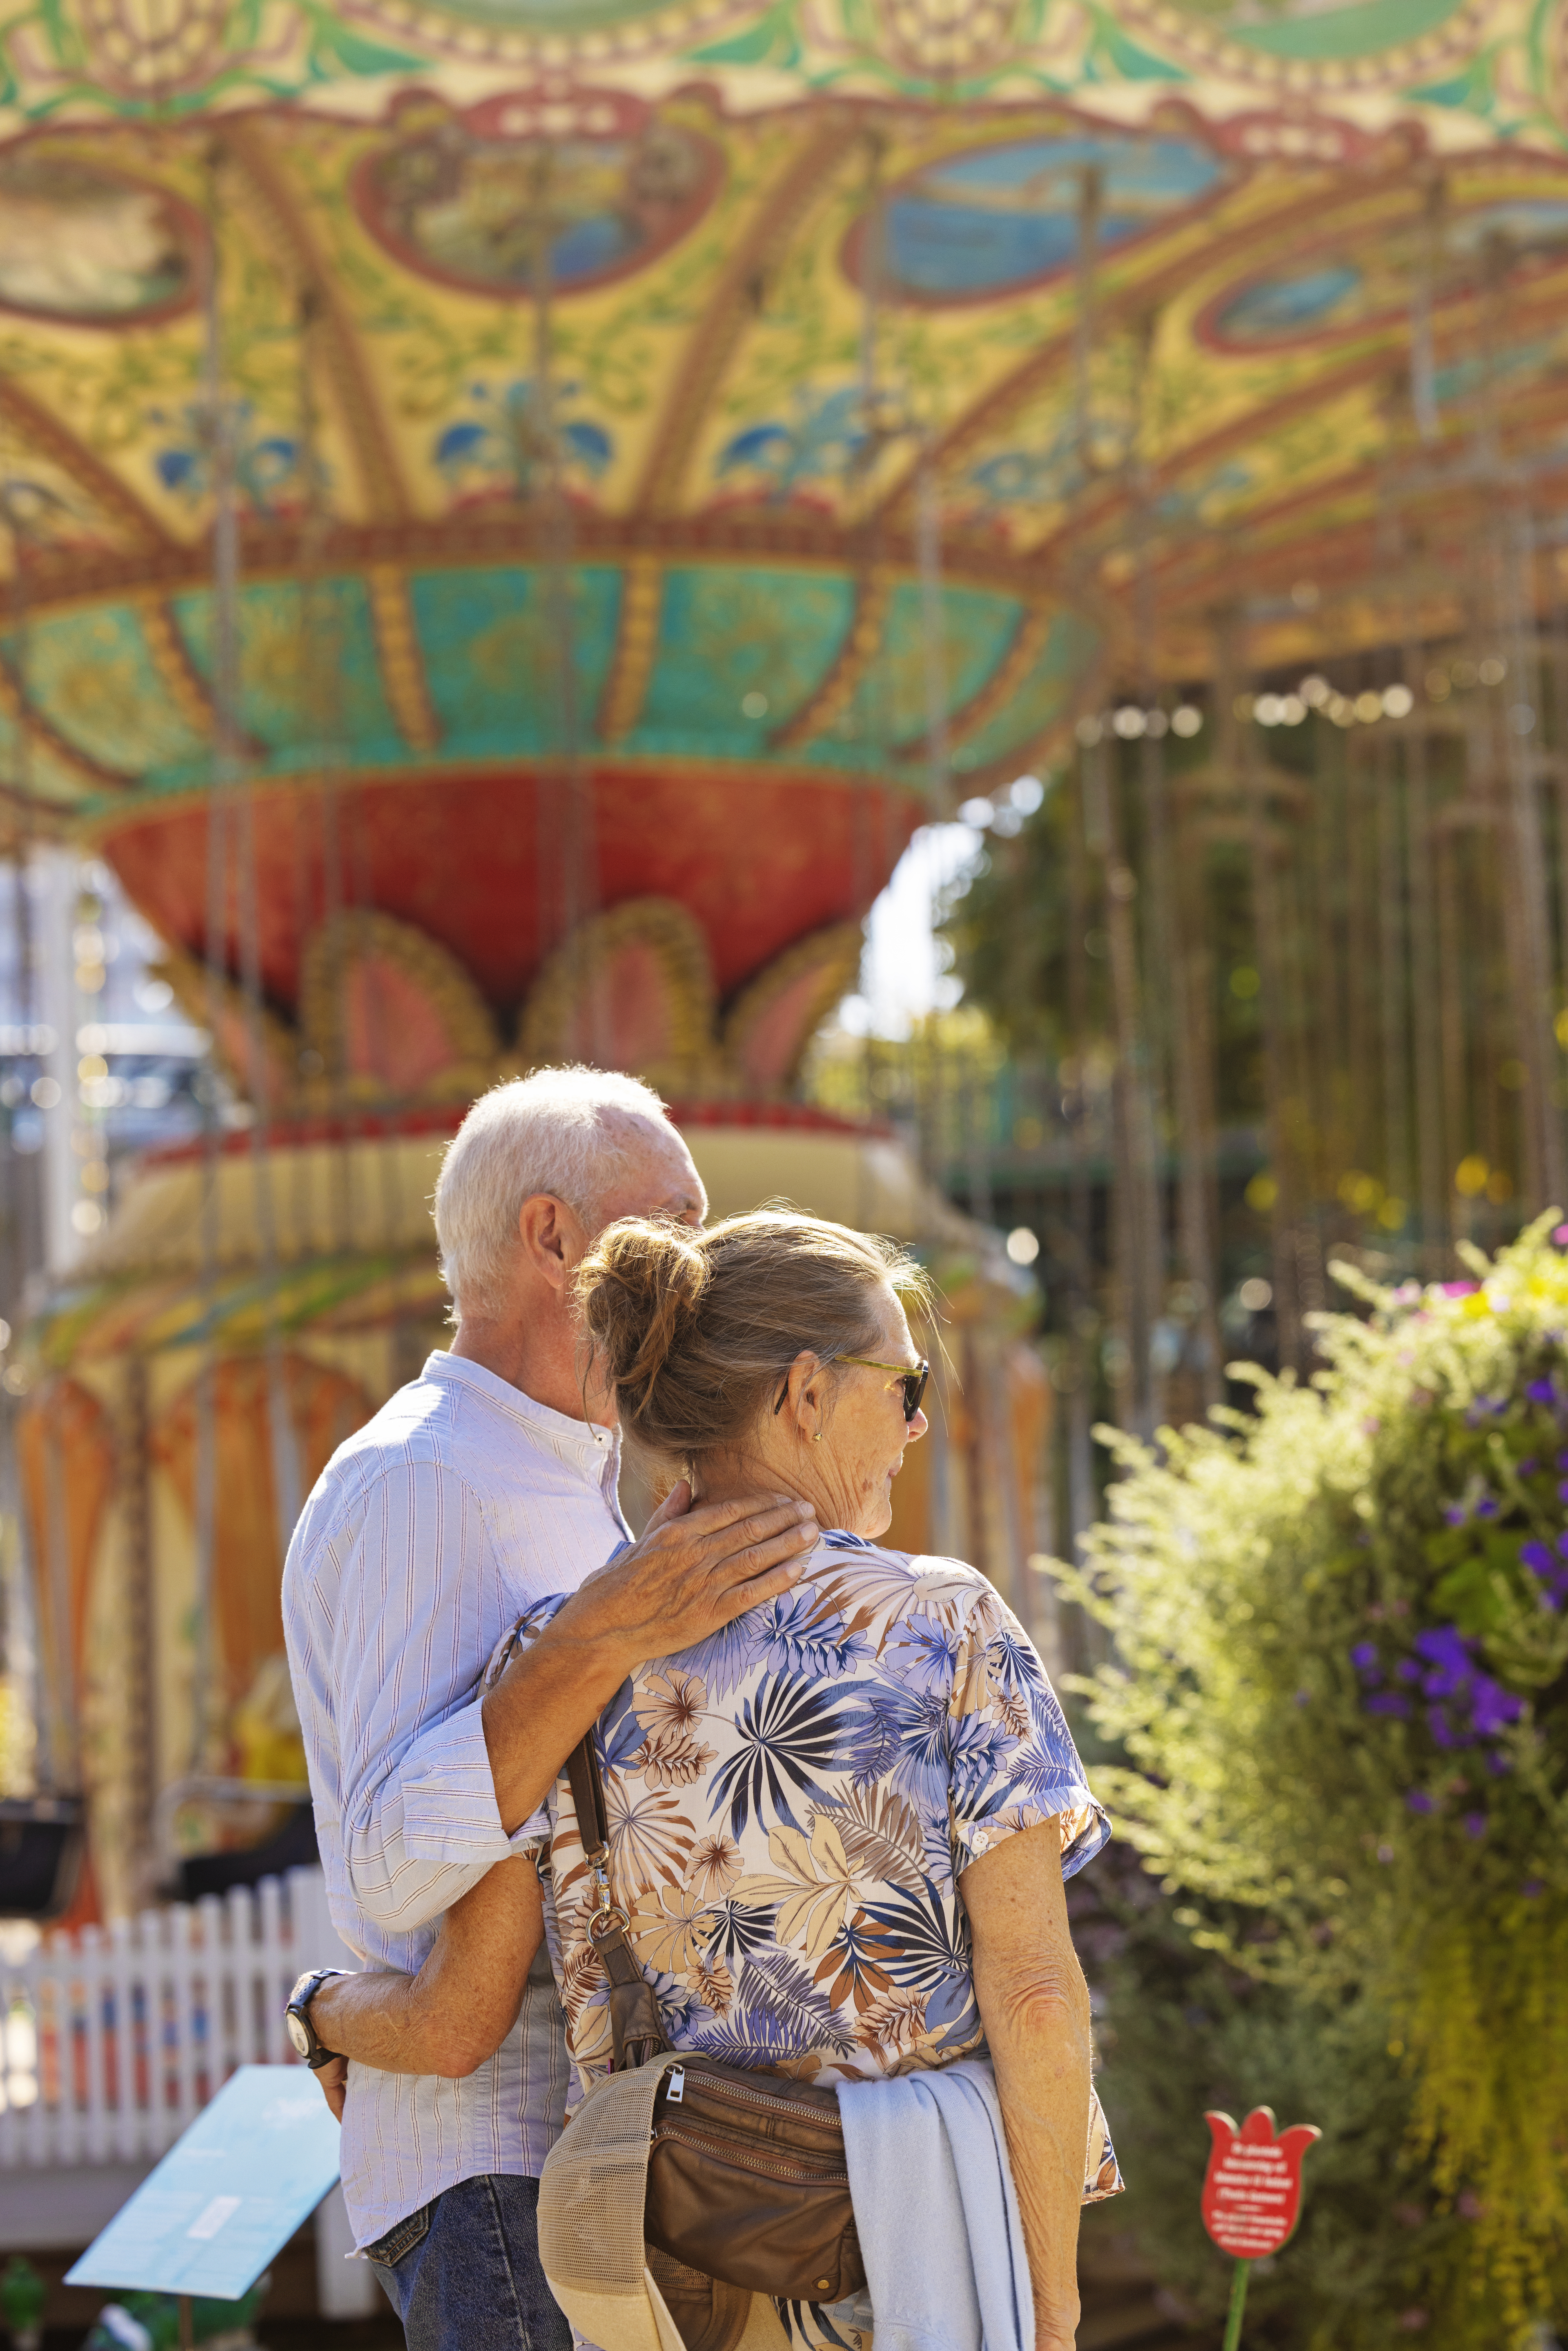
{"x": 696, "y": 1332}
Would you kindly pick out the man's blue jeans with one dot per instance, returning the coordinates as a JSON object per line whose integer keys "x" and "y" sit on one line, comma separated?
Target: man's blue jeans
{"x": 463, "y": 2272}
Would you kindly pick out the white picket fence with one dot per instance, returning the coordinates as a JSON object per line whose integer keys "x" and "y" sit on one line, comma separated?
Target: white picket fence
{"x": 116, "y": 2036}
{"x": 113, "y": 2038}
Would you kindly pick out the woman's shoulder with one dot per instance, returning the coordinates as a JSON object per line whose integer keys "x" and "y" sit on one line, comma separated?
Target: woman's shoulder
{"x": 518, "y": 1634}
{"x": 924, "y": 1583}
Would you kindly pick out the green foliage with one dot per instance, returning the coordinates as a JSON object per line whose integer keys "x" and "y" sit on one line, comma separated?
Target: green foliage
{"x": 1182, "y": 2031}
{"x": 1341, "y": 1684}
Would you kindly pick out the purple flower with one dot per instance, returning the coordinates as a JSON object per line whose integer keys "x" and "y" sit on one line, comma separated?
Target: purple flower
{"x": 1364, "y": 1656}
{"x": 1562, "y": 1461}
{"x": 1455, "y": 1513}
{"x": 1407, "y": 1670}
{"x": 1542, "y": 1392}
{"x": 1446, "y": 1646}
{"x": 1535, "y": 1556}
{"x": 1475, "y": 1824}
{"x": 1487, "y": 1506}
{"x": 1498, "y": 1765}
{"x": 1441, "y": 1729}
{"x": 1529, "y": 1466}
{"x": 1419, "y": 1801}
{"x": 1492, "y": 1707}
{"x": 1534, "y": 1886}
{"x": 1388, "y": 1702}
{"x": 1304, "y": 1698}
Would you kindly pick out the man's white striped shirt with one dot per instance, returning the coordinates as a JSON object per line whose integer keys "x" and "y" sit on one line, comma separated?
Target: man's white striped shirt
{"x": 426, "y": 1537}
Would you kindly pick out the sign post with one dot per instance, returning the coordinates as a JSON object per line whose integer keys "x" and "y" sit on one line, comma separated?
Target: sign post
{"x": 229, "y": 2194}
{"x": 1252, "y": 2195}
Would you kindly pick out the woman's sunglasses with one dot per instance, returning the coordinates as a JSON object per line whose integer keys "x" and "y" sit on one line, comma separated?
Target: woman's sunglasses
{"x": 912, "y": 1382}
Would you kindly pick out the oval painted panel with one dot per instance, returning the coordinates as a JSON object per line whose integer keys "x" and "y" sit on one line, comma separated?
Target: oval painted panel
{"x": 1334, "y": 290}
{"x": 468, "y": 201}
{"x": 991, "y": 220}
{"x": 87, "y": 246}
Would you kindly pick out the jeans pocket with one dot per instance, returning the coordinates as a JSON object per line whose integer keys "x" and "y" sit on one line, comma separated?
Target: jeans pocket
{"x": 400, "y": 2239}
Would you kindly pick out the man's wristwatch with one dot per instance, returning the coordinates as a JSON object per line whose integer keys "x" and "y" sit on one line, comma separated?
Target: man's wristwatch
{"x": 297, "y": 2017}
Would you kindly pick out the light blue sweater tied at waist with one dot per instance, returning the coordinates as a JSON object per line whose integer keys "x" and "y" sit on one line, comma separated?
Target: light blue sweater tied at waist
{"x": 937, "y": 2214}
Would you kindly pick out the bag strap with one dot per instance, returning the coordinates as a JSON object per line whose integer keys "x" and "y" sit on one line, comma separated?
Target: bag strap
{"x": 636, "y": 2030}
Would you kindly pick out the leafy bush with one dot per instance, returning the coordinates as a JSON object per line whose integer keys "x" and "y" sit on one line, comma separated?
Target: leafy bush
{"x": 1341, "y": 1641}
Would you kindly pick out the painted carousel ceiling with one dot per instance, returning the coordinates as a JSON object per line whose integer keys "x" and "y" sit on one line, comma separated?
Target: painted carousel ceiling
{"x": 758, "y": 410}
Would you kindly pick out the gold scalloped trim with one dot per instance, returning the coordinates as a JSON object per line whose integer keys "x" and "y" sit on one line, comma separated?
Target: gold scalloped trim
{"x": 837, "y": 951}
{"x": 354, "y": 934}
{"x": 549, "y": 1030}
{"x": 193, "y": 985}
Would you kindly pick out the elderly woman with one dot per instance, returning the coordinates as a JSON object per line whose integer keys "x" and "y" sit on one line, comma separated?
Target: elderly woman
{"x": 839, "y": 1826}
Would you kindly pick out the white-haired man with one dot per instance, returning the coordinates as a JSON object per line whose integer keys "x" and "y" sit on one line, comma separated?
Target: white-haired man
{"x": 489, "y": 1481}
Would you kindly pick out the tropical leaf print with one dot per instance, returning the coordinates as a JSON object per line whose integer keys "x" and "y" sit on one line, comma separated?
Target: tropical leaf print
{"x": 671, "y": 1929}
{"x": 716, "y": 1985}
{"x": 723, "y": 1661}
{"x": 808, "y": 1637}
{"x": 669, "y": 1758}
{"x": 649, "y": 1837}
{"x": 881, "y": 1835}
{"x": 682, "y": 2012}
{"x": 979, "y": 1754}
{"x": 849, "y": 1969}
{"x": 813, "y": 1888}
{"x": 741, "y": 1928}
{"x": 578, "y": 1978}
{"x": 671, "y": 1702}
{"x": 749, "y": 2037}
{"x": 787, "y": 1731}
{"x": 1012, "y": 1710}
{"x": 620, "y": 1732}
{"x": 790, "y": 1803}
{"x": 714, "y": 1864}
{"x": 948, "y": 1589}
{"x": 920, "y": 1942}
{"x": 893, "y": 2023}
{"x": 924, "y": 1655}
{"x": 1010, "y": 1655}
{"x": 899, "y": 1735}
{"x": 775, "y": 1986}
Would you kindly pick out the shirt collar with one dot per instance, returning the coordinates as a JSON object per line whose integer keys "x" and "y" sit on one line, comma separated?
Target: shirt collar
{"x": 592, "y": 1446}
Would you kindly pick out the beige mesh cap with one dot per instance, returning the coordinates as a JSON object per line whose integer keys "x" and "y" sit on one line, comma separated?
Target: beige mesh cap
{"x": 591, "y": 2194}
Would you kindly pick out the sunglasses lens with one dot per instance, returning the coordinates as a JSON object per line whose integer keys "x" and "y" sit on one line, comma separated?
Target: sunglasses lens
{"x": 913, "y": 1389}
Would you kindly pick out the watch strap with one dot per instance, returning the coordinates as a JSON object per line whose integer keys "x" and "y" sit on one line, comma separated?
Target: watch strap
{"x": 298, "y": 2005}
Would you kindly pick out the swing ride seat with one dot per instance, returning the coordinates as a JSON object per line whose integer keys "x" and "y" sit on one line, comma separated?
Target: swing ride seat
{"x": 41, "y": 1844}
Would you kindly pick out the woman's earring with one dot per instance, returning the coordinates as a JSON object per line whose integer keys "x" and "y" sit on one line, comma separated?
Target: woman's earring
{"x": 818, "y": 1438}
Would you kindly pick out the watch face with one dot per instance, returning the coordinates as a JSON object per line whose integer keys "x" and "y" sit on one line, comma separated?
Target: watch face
{"x": 297, "y": 2034}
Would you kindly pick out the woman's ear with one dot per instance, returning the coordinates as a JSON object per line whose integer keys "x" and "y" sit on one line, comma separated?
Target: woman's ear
{"x": 804, "y": 1393}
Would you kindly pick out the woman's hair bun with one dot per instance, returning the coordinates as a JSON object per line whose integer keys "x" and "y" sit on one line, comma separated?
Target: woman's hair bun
{"x": 638, "y": 1291}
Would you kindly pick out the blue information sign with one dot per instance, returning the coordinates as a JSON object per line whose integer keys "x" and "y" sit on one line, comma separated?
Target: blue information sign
{"x": 228, "y": 2195}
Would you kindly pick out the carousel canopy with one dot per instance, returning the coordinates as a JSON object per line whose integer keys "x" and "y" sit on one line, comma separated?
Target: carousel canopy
{"x": 734, "y": 424}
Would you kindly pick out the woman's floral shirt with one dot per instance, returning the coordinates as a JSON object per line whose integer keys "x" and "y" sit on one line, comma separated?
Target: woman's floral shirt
{"x": 791, "y": 1804}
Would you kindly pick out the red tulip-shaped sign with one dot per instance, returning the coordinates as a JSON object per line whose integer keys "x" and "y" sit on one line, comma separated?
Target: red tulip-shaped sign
{"x": 1252, "y": 2194}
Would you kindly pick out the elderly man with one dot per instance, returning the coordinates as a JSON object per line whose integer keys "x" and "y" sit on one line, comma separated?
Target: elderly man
{"x": 490, "y": 1481}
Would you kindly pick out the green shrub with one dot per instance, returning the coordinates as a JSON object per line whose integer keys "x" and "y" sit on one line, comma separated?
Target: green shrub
{"x": 1342, "y": 1634}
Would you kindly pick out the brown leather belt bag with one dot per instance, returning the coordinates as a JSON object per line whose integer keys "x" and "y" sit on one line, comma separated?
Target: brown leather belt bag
{"x": 747, "y": 2177}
